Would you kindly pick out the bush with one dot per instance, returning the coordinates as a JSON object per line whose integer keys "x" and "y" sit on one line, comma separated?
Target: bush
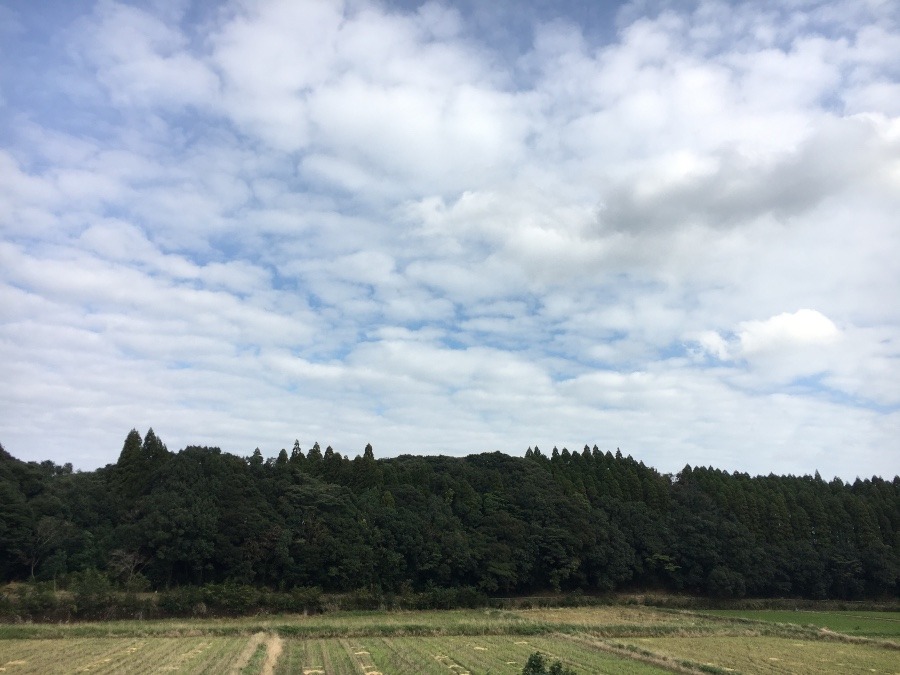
{"x": 450, "y": 598}
{"x": 6, "y": 606}
{"x": 536, "y": 665}
{"x": 36, "y": 597}
{"x": 362, "y": 599}
{"x": 299, "y": 600}
{"x": 180, "y": 601}
{"x": 92, "y": 592}
{"x": 306, "y": 599}
{"x": 235, "y": 599}
{"x": 138, "y": 583}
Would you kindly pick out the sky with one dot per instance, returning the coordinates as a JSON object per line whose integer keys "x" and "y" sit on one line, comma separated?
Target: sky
{"x": 454, "y": 227}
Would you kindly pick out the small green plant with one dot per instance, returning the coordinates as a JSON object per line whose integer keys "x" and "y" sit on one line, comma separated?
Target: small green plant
{"x": 537, "y": 665}
{"x": 256, "y": 661}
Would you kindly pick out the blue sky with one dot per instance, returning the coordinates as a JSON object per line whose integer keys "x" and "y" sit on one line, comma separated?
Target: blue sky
{"x": 668, "y": 227}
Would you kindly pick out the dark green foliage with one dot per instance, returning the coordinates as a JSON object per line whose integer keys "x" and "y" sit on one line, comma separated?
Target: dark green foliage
{"x": 434, "y": 531}
{"x": 536, "y": 665}
{"x": 92, "y": 593}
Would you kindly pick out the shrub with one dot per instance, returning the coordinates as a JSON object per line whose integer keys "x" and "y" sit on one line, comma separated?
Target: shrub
{"x": 230, "y": 598}
{"x": 180, "y": 601}
{"x": 449, "y": 598}
{"x": 92, "y": 593}
{"x": 138, "y": 583}
{"x": 536, "y": 665}
{"x": 36, "y": 597}
{"x": 306, "y": 599}
{"x": 361, "y": 599}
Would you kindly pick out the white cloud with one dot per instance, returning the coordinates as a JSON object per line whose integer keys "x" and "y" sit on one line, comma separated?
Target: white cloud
{"x": 805, "y": 327}
{"x": 777, "y": 350}
{"x": 118, "y": 240}
{"x": 714, "y": 344}
{"x": 334, "y": 221}
{"x": 143, "y": 61}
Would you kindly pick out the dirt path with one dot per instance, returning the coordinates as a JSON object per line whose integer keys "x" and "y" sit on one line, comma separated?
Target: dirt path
{"x": 274, "y": 645}
{"x": 247, "y": 653}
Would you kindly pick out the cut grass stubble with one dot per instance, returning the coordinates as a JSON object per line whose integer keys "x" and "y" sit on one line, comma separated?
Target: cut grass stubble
{"x": 630, "y": 640}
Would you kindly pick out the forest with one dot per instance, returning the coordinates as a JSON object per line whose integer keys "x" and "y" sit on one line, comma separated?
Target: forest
{"x": 585, "y": 521}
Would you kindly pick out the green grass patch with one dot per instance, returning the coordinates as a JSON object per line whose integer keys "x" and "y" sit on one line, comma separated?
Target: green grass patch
{"x": 318, "y": 657}
{"x": 495, "y": 654}
{"x": 607, "y": 620}
{"x": 866, "y": 624}
{"x": 254, "y": 665}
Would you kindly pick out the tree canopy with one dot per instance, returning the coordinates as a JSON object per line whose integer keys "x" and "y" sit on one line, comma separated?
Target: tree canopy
{"x": 588, "y": 520}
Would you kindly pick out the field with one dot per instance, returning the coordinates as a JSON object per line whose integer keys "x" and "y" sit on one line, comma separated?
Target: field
{"x": 631, "y": 640}
{"x": 869, "y": 624}
{"x": 118, "y": 655}
{"x": 778, "y": 655}
{"x": 442, "y": 655}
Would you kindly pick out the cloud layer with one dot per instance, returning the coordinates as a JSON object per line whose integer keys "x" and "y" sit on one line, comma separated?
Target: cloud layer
{"x": 361, "y": 222}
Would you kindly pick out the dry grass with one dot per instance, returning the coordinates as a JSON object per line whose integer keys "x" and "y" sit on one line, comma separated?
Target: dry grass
{"x": 247, "y": 652}
{"x": 274, "y": 647}
{"x": 766, "y": 654}
{"x": 120, "y": 655}
{"x": 499, "y": 655}
{"x": 637, "y": 640}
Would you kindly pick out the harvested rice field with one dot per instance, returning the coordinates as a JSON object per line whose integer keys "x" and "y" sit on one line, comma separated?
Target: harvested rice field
{"x": 776, "y": 655}
{"x": 630, "y": 640}
{"x": 504, "y": 655}
{"x": 121, "y": 655}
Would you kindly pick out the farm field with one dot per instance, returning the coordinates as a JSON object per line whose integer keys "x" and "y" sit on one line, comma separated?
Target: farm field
{"x": 500, "y": 655}
{"x": 869, "y": 624}
{"x": 632, "y": 640}
{"x": 777, "y": 655}
{"x": 609, "y": 619}
{"x": 121, "y": 655}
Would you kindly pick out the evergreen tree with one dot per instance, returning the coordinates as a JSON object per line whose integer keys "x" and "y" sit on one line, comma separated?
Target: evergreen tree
{"x": 496, "y": 523}
{"x": 131, "y": 450}
{"x": 154, "y": 450}
{"x": 256, "y": 460}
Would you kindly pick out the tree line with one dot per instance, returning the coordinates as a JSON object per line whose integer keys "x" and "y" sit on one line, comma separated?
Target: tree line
{"x": 585, "y": 521}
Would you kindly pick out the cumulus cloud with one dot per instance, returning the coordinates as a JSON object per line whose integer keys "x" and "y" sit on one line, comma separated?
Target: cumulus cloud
{"x": 142, "y": 60}
{"x": 723, "y": 189}
{"x": 778, "y": 349}
{"x": 805, "y": 327}
{"x": 364, "y": 222}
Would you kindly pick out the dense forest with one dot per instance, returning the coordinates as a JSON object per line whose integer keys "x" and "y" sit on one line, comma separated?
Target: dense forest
{"x": 587, "y": 521}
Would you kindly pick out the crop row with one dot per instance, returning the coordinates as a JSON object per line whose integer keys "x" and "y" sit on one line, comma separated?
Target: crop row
{"x": 445, "y": 655}
{"x": 117, "y": 655}
{"x": 765, "y": 654}
{"x": 589, "y": 640}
